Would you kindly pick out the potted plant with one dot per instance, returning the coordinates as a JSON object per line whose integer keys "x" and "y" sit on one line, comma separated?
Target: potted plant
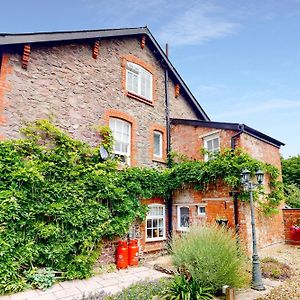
{"x": 295, "y": 232}
{"x": 221, "y": 220}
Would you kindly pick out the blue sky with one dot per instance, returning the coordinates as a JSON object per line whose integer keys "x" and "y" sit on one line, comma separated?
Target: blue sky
{"x": 241, "y": 59}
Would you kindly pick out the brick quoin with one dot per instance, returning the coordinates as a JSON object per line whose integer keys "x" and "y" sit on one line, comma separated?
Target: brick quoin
{"x": 5, "y": 86}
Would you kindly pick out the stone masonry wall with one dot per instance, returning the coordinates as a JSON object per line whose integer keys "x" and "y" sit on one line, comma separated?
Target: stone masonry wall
{"x": 66, "y": 84}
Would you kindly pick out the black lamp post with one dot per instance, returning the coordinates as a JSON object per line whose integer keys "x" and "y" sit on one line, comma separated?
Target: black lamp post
{"x": 257, "y": 283}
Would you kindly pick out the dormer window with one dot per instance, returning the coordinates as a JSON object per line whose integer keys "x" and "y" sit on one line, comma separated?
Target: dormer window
{"x": 211, "y": 145}
{"x": 139, "y": 81}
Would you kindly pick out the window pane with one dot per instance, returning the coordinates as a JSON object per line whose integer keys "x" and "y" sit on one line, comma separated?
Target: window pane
{"x": 121, "y": 133}
{"x": 157, "y": 144}
{"x": 155, "y": 224}
{"x": 184, "y": 217}
{"x": 149, "y": 233}
{"x": 216, "y": 144}
{"x": 209, "y": 145}
{"x": 202, "y": 210}
{"x": 139, "y": 80}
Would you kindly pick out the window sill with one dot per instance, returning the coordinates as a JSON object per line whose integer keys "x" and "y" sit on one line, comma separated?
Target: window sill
{"x": 156, "y": 240}
{"x": 159, "y": 159}
{"x": 139, "y": 98}
{"x": 183, "y": 229}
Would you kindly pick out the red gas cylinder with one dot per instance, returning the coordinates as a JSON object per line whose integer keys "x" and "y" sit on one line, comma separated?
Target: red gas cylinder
{"x": 133, "y": 253}
{"x": 122, "y": 255}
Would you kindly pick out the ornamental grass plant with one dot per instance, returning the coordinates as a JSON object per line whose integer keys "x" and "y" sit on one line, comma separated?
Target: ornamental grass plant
{"x": 210, "y": 255}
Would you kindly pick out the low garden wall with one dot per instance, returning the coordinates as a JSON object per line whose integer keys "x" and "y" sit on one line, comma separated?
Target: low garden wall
{"x": 291, "y": 219}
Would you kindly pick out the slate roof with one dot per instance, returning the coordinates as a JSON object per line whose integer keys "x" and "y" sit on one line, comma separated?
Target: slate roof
{"x": 230, "y": 126}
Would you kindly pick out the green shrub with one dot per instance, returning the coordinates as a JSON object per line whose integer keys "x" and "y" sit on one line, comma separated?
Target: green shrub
{"x": 182, "y": 288}
{"x": 40, "y": 278}
{"x": 58, "y": 199}
{"x": 211, "y": 256}
{"x": 292, "y": 195}
{"x": 143, "y": 290}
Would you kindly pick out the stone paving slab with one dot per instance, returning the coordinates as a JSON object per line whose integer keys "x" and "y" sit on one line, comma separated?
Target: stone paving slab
{"x": 110, "y": 283}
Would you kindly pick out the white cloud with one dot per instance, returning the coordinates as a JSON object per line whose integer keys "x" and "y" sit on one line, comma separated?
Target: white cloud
{"x": 196, "y": 25}
{"x": 275, "y": 104}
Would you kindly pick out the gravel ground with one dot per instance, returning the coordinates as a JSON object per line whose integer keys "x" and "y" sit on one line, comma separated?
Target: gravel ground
{"x": 275, "y": 289}
{"x": 289, "y": 289}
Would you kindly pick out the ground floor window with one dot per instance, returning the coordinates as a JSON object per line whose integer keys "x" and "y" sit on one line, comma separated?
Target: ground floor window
{"x": 155, "y": 222}
{"x": 183, "y": 217}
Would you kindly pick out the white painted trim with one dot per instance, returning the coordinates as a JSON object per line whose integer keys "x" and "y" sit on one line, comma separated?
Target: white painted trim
{"x": 156, "y": 217}
{"x": 209, "y": 133}
{"x": 178, "y": 218}
{"x": 217, "y": 199}
{"x": 208, "y": 138}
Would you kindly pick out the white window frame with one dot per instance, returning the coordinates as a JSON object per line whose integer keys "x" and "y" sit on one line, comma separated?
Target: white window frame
{"x": 160, "y": 134}
{"x": 201, "y": 214}
{"x": 141, "y": 74}
{"x": 117, "y": 152}
{"x": 149, "y": 217}
{"x": 208, "y": 138}
{"x": 180, "y": 228}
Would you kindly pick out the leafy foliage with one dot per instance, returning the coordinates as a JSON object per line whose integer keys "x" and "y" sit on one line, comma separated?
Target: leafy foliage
{"x": 143, "y": 290}
{"x": 40, "y": 278}
{"x": 58, "y": 200}
{"x": 292, "y": 192}
{"x": 210, "y": 256}
{"x": 291, "y": 170}
{"x": 182, "y": 288}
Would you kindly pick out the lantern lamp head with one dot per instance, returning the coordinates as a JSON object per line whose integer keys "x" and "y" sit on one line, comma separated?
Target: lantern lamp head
{"x": 245, "y": 176}
{"x": 260, "y": 176}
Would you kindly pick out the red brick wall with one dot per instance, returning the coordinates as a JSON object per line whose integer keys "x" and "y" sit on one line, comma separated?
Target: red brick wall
{"x": 291, "y": 217}
{"x": 188, "y": 140}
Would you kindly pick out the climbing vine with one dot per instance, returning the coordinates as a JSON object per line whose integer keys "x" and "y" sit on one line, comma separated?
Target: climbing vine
{"x": 58, "y": 199}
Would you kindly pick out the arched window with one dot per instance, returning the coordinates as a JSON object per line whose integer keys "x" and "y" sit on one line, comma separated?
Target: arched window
{"x": 121, "y": 131}
{"x": 139, "y": 81}
{"x": 156, "y": 223}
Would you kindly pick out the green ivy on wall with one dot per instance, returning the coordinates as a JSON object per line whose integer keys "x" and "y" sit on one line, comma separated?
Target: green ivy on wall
{"x": 58, "y": 200}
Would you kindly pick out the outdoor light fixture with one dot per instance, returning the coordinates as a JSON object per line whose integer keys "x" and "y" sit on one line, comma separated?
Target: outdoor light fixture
{"x": 245, "y": 176}
{"x": 249, "y": 186}
{"x": 259, "y": 176}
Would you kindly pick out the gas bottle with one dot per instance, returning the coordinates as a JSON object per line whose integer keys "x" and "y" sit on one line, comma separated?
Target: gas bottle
{"x": 122, "y": 255}
{"x": 133, "y": 253}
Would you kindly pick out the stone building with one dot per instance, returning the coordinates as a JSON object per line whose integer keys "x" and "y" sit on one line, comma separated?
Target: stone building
{"x": 123, "y": 79}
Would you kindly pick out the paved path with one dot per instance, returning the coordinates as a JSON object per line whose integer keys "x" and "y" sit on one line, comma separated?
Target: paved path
{"x": 109, "y": 283}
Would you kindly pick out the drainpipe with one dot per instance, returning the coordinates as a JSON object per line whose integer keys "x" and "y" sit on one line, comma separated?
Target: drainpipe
{"x": 235, "y": 194}
{"x": 234, "y": 137}
{"x": 168, "y": 130}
